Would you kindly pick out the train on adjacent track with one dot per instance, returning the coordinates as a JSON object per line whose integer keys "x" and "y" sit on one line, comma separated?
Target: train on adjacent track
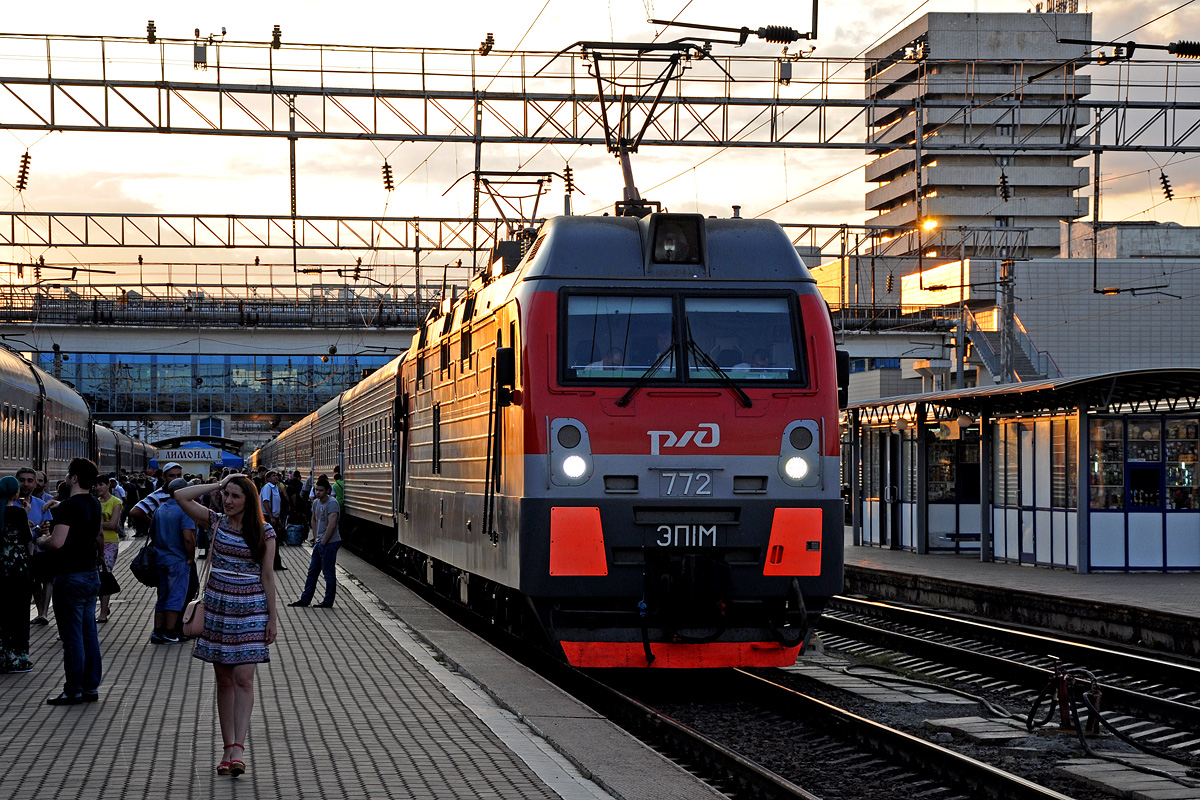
{"x": 625, "y": 440}
{"x": 44, "y": 424}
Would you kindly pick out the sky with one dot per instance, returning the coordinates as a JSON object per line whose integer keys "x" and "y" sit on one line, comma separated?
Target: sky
{"x": 221, "y": 175}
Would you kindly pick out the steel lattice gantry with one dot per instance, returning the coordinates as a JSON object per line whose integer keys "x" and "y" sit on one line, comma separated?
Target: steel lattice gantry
{"x": 409, "y": 234}
{"x": 408, "y": 94}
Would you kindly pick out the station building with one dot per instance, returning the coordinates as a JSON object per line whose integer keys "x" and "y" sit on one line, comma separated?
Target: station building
{"x": 1092, "y": 473}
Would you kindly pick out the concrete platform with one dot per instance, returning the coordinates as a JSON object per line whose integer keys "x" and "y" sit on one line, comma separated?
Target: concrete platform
{"x": 379, "y": 697}
{"x": 1153, "y": 609}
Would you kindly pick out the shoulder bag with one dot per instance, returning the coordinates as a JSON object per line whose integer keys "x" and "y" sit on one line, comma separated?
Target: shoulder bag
{"x": 145, "y": 564}
{"x": 193, "y": 614}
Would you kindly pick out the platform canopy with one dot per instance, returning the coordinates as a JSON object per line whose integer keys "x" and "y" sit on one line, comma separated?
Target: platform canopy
{"x": 1134, "y": 391}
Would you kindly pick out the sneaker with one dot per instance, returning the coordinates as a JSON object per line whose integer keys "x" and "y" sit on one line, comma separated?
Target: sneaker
{"x": 65, "y": 699}
{"x": 39, "y": 620}
{"x": 298, "y": 604}
{"x": 16, "y": 670}
{"x": 89, "y": 697}
{"x": 169, "y": 638}
{"x": 324, "y": 605}
{"x": 156, "y": 638}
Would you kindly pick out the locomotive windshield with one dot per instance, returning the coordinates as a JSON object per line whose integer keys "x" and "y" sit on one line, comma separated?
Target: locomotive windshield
{"x": 622, "y": 338}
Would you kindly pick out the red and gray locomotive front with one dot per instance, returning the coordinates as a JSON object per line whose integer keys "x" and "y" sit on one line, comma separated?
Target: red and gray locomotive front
{"x": 681, "y": 502}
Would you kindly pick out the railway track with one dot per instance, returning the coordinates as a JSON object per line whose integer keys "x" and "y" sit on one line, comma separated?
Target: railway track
{"x": 855, "y": 756}
{"x": 1135, "y": 683}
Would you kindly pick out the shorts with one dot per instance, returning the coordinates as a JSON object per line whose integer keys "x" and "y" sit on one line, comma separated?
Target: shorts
{"x": 173, "y": 586}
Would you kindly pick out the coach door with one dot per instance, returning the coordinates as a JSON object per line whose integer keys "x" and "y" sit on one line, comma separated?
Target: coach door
{"x": 400, "y": 456}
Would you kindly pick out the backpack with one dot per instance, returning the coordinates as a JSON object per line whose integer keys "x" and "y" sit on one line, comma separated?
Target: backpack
{"x": 145, "y": 565}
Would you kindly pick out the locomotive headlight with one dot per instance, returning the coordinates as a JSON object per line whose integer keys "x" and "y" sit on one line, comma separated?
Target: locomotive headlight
{"x": 574, "y": 466}
{"x": 570, "y": 452}
{"x": 796, "y": 468}
{"x": 800, "y": 453}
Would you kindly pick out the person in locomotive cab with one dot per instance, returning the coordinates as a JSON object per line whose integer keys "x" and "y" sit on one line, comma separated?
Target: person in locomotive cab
{"x": 613, "y": 359}
{"x": 325, "y": 514}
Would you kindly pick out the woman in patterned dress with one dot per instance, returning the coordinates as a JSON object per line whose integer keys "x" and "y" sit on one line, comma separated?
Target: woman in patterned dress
{"x": 240, "y": 620}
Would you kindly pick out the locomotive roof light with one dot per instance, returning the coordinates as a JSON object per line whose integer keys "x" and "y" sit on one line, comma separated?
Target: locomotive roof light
{"x": 570, "y": 452}
{"x": 800, "y": 453}
{"x": 677, "y": 239}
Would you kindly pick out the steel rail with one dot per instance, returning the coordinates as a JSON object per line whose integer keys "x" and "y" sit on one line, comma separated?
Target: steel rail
{"x": 1064, "y": 647}
{"x": 951, "y": 767}
{"x": 997, "y": 666}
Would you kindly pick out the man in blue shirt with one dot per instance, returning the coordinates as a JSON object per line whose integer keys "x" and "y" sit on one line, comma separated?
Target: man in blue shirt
{"x": 175, "y": 548}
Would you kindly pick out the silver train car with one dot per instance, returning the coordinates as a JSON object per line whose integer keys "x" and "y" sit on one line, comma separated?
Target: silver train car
{"x": 43, "y": 422}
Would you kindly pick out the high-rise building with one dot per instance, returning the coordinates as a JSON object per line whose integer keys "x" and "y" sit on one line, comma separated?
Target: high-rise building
{"x": 954, "y": 74}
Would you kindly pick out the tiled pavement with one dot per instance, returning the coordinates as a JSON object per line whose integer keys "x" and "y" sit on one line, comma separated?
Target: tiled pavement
{"x": 352, "y": 705}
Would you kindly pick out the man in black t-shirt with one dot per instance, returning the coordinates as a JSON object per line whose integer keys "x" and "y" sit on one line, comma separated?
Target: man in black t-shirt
{"x": 75, "y": 539}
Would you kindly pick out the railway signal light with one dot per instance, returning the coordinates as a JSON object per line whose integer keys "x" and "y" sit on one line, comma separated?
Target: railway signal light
{"x": 388, "y": 183}
{"x": 23, "y": 172}
{"x": 1005, "y": 189}
{"x": 1166, "y": 185}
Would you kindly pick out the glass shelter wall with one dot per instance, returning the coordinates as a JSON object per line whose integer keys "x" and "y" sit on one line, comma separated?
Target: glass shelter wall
{"x": 1142, "y": 476}
{"x": 117, "y": 384}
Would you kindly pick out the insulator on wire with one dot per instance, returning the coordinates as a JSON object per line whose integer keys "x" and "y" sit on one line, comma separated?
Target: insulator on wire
{"x": 1184, "y": 49}
{"x": 151, "y": 37}
{"x": 23, "y": 172}
{"x": 276, "y": 38}
{"x": 387, "y": 177}
{"x": 569, "y": 178}
{"x": 1166, "y": 185}
{"x": 890, "y": 283}
{"x": 1005, "y": 189}
{"x": 780, "y": 34}
{"x": 487, "y": 44}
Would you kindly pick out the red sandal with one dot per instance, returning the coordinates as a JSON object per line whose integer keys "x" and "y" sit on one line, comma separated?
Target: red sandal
{"x": 223, "y": 767}
{"x": 237, "y": 766}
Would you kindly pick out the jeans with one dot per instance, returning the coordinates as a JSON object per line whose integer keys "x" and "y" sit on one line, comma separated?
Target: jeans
{"x": 75, "y": 611}
{"x": 324, "y": 559}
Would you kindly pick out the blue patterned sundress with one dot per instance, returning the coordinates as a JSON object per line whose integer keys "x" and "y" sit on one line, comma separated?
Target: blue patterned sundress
{"x": 235, "y": 606}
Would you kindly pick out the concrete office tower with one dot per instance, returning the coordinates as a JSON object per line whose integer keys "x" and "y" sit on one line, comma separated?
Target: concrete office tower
{"x": 947, "y": 70}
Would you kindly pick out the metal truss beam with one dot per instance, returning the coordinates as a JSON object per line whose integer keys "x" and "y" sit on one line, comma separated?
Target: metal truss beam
{"x": 229, "y": 231}
{"x": 403, "y": 95}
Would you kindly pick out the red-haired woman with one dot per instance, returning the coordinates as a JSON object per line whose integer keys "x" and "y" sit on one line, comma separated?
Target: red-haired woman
{"x": 240, "y": 620}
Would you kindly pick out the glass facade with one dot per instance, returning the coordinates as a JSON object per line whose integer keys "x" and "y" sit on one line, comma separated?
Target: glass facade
{"x": 130, "y": 384}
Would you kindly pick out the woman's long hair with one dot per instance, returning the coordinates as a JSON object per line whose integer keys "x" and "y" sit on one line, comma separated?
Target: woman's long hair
{"x": 253, "y": 525}
{"x": 8, "y": 490}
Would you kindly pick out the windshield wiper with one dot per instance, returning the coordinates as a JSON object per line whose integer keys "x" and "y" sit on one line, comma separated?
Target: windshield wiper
{"x": 707, "y": 361}
{"x": 645, "y": 376}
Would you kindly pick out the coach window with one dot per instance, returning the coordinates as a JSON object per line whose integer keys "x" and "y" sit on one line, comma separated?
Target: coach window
{"x": 618, "y": 338}
{"x": 749, "y": 338}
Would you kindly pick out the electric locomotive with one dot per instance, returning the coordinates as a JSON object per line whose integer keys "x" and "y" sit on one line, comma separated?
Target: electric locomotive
{"x": 628, "y": 442}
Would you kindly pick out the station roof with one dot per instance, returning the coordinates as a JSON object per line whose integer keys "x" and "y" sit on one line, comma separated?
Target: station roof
{"x": 219, "y": 442}
{"x": 1144, "y": 390}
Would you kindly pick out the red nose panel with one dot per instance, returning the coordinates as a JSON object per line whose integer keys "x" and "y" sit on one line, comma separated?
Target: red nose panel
{"x": 795, "y": 546}
{"x": 576, "y": 542}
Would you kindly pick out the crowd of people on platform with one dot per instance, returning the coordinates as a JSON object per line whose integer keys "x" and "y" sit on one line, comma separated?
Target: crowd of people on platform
{"x": 58, "y": 550}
